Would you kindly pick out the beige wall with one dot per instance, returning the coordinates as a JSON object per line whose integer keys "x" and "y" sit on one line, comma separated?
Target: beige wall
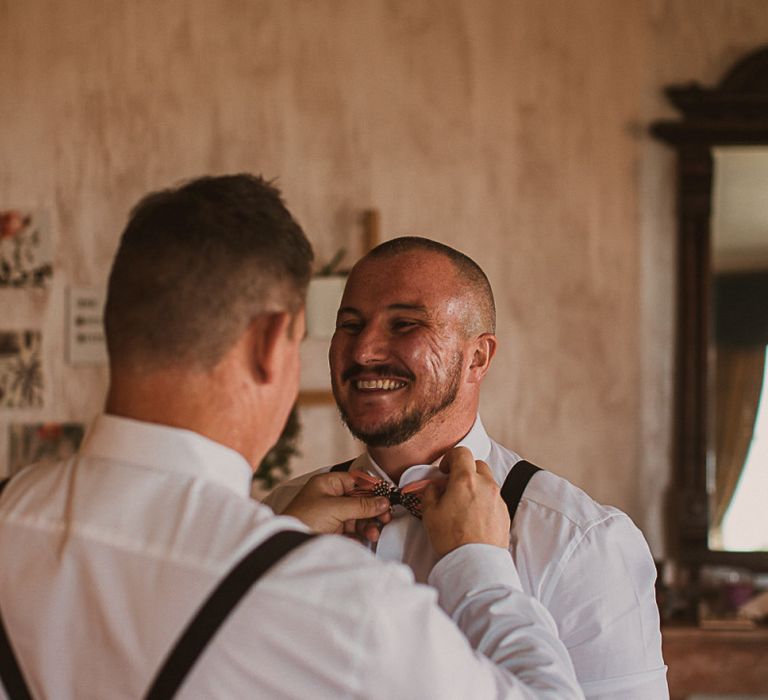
{"x": 515, "y": 130}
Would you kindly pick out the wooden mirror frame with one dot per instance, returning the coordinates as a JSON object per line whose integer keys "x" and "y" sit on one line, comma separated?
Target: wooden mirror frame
{"x": 733, "y": 113}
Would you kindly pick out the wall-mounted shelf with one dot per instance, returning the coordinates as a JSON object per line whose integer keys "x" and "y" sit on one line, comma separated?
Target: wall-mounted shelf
{"x": 371, "y": 237}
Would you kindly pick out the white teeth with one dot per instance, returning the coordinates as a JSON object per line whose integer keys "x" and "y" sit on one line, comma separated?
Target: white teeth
{"x": 384, "y": 384}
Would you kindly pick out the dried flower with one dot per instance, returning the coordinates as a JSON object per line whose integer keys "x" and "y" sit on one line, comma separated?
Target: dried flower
{"x": 11, "y": 222}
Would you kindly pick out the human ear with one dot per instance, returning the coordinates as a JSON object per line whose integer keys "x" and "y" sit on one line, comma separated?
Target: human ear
{"x": 268, "y": 335}
{"x": 483, "y": 350}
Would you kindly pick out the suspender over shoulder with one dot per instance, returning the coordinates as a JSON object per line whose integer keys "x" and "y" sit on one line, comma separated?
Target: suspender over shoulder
{"x": 217, "y": 608}
{"x": 514, "y": 485}
{"x": 198, "y": 633}
{"x": 511, "y": 490}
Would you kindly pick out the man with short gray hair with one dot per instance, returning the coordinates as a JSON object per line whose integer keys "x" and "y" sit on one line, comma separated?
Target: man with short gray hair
{"x": 133, "y": 569}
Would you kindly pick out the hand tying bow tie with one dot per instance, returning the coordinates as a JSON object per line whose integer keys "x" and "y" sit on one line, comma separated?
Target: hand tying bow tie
{"x": 409, "y": 496}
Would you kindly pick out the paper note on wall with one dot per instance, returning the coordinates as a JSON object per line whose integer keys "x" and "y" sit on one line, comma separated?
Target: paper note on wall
{"x": 85, "y": 332}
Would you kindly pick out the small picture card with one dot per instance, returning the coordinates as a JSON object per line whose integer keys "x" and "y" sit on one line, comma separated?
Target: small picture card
{"x": 25, "y": 248}
{"x": 86, "y": 344}
{"x": 21, "y": 374}
{"x": 35, "y": 442}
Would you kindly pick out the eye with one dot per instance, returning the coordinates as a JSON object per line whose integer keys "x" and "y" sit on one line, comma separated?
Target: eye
{"x": 349, "y": 325}
{"x": 403, "y": 325}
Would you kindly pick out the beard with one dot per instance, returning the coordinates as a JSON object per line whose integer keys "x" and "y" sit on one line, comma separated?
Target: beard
{"x": 402, "y": 427}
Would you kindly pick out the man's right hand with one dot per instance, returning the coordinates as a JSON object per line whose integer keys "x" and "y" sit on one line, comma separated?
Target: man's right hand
{"x": 468, "y": 509}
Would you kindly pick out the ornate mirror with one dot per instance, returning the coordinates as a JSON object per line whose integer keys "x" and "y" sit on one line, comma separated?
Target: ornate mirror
{"x": 720, "y": 508}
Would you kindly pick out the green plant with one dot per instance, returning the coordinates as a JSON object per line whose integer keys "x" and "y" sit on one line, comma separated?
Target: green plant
{"x": 330, "y": 268}
{"x": 276, "y": 463}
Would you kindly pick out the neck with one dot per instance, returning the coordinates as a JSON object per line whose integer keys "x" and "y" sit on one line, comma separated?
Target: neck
{"x": 435, "y": 438}
{"x": 203, "y": 401}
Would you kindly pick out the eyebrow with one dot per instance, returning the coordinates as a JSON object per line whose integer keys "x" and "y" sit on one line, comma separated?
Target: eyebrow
{"x": 419, "y": 308}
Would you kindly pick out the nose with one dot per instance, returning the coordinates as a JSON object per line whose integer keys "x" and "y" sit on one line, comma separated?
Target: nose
{"x": 370, "y": 346}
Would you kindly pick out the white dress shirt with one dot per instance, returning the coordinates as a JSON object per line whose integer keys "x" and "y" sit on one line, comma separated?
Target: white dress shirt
{"x": 105, "y": 557}
{"x": 588, "y": 565}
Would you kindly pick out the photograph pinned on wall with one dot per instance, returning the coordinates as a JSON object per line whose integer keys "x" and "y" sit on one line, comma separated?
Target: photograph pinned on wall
{"x": 25, "y": 248}
{"x": 37, "y": 442}
{"x": 21, "y": 374}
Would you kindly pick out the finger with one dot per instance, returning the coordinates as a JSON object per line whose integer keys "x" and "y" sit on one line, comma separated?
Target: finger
{"x": 430, "y": 497}
{"x": 360, "y": 526}
{"x": 483, "y": 469}
{"x": 371, "y": 530}
{"x": 455, "y": 458}
{"x": 336, "y": 483}
{"x": 461, "y": 464}
{"x": 322, "y": 484}
{"x": 359, "y": 507}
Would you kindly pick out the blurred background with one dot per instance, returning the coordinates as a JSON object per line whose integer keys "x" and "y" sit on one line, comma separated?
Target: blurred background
{"x": 514, "y": 130}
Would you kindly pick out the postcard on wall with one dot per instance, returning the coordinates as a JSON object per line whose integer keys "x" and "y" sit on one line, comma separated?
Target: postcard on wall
{"x": 35, "y": 442}
{"x": 25, "y": 248}
{"x": 21, "y": 374}
{"x": 86, "y": 344}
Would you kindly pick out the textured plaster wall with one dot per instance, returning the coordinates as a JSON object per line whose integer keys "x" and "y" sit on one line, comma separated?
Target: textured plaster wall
{"x": 514, "y": 130}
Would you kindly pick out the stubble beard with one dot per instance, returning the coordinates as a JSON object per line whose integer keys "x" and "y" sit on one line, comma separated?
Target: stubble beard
{"x": 403, "y": 427}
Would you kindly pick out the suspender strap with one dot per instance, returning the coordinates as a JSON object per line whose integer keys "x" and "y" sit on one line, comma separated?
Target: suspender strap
{"x": 515, "y": 483}
{"x": 342, "y": 466}
{"x": 199, "y": 631}
{"x": 217, "y": 608}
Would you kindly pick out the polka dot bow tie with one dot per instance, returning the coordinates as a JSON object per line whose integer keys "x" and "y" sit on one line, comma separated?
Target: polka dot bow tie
{"x": 409, "y": 496}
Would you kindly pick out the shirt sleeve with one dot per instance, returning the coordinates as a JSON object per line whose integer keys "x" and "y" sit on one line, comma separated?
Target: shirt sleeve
{"x": 605, "y": 607}
{"x": 507, "y": 646}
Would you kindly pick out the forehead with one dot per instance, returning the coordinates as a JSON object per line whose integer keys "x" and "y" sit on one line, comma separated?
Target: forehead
{"x": 419, "y": 277}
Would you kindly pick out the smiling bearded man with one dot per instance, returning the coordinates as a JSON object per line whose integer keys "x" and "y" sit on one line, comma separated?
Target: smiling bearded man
{"x": 414, "y": 340}
{"x": 395, "y": 429}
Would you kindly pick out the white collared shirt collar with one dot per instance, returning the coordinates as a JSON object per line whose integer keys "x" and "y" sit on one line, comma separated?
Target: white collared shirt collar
{"x": 476, "y": 440}
{"x": 169, "y": 449}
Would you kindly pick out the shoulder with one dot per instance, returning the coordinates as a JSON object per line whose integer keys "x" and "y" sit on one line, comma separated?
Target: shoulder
{"x": 558, "y": 517}
{"x": 558, "y": 527}
{"x": 578, "y": 527}
{"x": 552, "y": 497}
{"x": 38, "y": 485}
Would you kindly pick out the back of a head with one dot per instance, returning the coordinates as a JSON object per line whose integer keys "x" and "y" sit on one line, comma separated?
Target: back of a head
{"x": 195, "y": 265}
{"x": 467, "y": 270}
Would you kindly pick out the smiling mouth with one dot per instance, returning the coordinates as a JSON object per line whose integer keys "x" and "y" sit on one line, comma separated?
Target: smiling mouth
{"x": 378, "y": 384}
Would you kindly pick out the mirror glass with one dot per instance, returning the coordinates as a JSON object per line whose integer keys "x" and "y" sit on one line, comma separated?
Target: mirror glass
{"x": 738, "y": 464}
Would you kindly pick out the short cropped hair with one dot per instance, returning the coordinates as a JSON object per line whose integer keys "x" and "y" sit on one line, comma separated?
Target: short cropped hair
{"x": 195, "y": 265}
{"x": 467, "y": 269}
